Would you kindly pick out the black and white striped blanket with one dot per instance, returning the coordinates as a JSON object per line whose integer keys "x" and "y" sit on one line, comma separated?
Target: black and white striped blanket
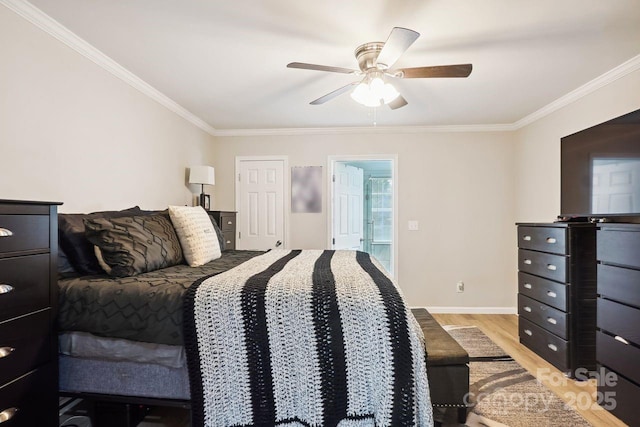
{"x": 306, "y": 338}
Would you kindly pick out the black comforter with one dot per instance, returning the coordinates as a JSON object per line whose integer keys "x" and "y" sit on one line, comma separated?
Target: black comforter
{"x": 147, "y": 307}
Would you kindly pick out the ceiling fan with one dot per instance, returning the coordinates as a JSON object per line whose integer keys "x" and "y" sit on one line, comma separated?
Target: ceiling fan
{"x": 375, "y": 60}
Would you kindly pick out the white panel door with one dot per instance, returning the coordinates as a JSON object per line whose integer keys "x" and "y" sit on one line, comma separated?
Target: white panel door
{"x": 261, "y": 204}
{"x": 348, "y": 205}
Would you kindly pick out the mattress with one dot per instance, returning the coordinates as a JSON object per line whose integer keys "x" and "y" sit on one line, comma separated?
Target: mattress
{"x": 89, "y": 346}
{"x": 147, "y": 307}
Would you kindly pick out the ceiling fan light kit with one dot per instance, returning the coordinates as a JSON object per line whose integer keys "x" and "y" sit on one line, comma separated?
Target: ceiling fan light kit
{"x": 373, "y": 91}
{"x": 375, "y": 60}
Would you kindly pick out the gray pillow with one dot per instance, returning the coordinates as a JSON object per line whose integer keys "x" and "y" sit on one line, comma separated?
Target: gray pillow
{"x": 136, "y": 244}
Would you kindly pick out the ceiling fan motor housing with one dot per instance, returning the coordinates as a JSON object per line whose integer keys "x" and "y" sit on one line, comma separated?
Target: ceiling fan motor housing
{"x": 367, "y": 56}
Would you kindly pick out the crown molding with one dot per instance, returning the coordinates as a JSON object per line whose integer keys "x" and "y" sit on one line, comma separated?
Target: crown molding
{"x": 610, "y": 76}
{"x": 63, "y": 34}
{"x": 364, "y": 130}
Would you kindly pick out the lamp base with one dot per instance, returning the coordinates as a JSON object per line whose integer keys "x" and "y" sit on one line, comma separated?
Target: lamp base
{"x": 205, "y": 201}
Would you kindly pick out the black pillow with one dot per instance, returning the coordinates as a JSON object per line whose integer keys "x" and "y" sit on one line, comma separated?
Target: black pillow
{"x": 72, "y": 239}
{"x": 135, "y": 244}
{"x": 65, "y": 269}
{"x": 218, "y": 232}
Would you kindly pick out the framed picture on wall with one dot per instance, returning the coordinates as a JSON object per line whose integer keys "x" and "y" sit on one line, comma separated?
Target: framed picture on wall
{"x": 207, "y": 202}
{"x": 306, "y": 189}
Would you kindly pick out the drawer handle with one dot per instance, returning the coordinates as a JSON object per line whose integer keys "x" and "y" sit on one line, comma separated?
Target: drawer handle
{"x": 528, "y": 286}
{"x": 528, "y": 332}
{"x": 527, "y": 308}
{"x": 551, "y": 240}
{"x": 229, "y": 222}
{"x": 527, "y": 261}
{"x": 5, "y": 289}
{"x": 228, "y": 241}
{"x": 551, "y": 294}
{"x": 551, "y": 267}
{"x": 527, "y": 238}
{"x": 7, "y": 414}
{"x": 622, "y": 340}
{"x": 552, "y": 347}
{"x": 552, "y": 320}
{"x": 5, "y": 232}
{"x": 6, "y": 351}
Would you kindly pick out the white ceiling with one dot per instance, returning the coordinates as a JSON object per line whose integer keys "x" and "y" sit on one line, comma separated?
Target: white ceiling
{"x": 225, "y": 61}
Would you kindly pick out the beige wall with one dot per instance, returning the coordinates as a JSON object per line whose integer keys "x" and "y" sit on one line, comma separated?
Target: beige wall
{"x": 72, "y": 132}
{"x": 537, "y": 146}
{"x": 458, "y": 186}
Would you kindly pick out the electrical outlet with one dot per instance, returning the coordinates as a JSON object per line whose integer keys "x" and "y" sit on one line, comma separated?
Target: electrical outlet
{"x": 460, "y": 287}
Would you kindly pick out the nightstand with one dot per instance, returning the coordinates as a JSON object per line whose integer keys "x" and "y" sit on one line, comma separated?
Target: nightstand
{"x": 227, "y": 222}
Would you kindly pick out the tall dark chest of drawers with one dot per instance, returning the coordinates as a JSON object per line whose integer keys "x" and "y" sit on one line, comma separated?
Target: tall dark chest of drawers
{"x": 557, "y": 293}
{"x": 618, "y": 334}
{"x": 28, "y": 300}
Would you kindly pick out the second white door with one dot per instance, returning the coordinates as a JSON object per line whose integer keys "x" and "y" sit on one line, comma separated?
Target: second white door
{"x": 348, "y": 206}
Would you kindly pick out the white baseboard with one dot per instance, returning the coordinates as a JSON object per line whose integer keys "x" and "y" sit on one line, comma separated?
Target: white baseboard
{"x": 472, "y": 310}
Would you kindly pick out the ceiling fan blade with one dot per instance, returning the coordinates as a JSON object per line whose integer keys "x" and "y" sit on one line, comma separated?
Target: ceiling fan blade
{"x": 399, "y": 102}
{"x": 316, "y": 67}
{"x": 459, "y": 70}
{"x": 331, "y": 95}
{"x": 398, "y": 42}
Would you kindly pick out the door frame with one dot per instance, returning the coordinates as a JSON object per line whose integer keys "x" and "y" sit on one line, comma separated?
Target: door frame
{"x": 286, "y": 193}
{"x": 331, "y": 160}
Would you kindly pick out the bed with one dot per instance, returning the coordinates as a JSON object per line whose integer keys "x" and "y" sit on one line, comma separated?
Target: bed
{"x": 249, "y": 338}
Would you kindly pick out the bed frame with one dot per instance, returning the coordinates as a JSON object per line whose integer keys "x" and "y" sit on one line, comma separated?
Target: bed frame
{"x": 447, "y": 369}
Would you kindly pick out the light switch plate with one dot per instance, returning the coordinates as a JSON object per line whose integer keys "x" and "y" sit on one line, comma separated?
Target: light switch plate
{"x": 413, "y": 226}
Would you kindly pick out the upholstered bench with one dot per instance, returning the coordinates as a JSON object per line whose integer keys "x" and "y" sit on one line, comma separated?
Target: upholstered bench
{"x": 447, "y": 366}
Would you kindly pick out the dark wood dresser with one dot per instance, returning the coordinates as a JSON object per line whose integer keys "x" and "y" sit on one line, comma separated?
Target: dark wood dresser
{"x": 227, "y": 222}
{"x": 557, "y": 293}
{"x": 618, "y": 335}
{"x": 28, "y": 300}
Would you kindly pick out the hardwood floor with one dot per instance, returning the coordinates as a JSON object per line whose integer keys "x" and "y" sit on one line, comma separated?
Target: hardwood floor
{"x": 503, "y": 330}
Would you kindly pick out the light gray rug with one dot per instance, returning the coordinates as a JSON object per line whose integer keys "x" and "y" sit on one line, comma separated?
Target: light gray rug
{"x": 503, "y": 393}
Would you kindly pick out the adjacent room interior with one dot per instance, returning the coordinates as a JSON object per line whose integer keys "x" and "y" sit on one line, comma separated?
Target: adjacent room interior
{"x": 476, "y": 162}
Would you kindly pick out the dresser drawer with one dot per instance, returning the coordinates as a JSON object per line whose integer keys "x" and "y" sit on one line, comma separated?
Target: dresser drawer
{"x": 618, "y": 356}
{"x": 620, "y": 284}
{"x": 29, "y": 232}
{"x": 619, "y": 319}
{"x": 227, "y": 222}
{"x": 545, "y": 239}
{"x": 550, "y": 347}
{"x": 25, "y": 343}
{"x": 552, "y": 267}
{"x": 546, "y": 291}
{"x": 625, "y": 394}
{"x": 549, "y": 318}
{"x": 229, "y": 240}
{"x": 35, "y": 398}
{"x": 619, "y": 247}
{"x": 28, "y": 277}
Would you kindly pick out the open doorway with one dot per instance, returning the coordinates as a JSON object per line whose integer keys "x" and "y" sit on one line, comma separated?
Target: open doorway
{"x": 362, "y": 207}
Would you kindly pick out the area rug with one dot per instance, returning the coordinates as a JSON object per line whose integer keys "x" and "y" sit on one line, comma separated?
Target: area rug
{"x": 503, "y": 393}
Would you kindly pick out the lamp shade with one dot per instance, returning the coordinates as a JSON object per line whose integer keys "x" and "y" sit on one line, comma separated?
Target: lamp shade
{"x": 202, "y": 175}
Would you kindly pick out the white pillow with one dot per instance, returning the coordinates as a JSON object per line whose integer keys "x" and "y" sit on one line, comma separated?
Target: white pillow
{"x": 197, "y": 237}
